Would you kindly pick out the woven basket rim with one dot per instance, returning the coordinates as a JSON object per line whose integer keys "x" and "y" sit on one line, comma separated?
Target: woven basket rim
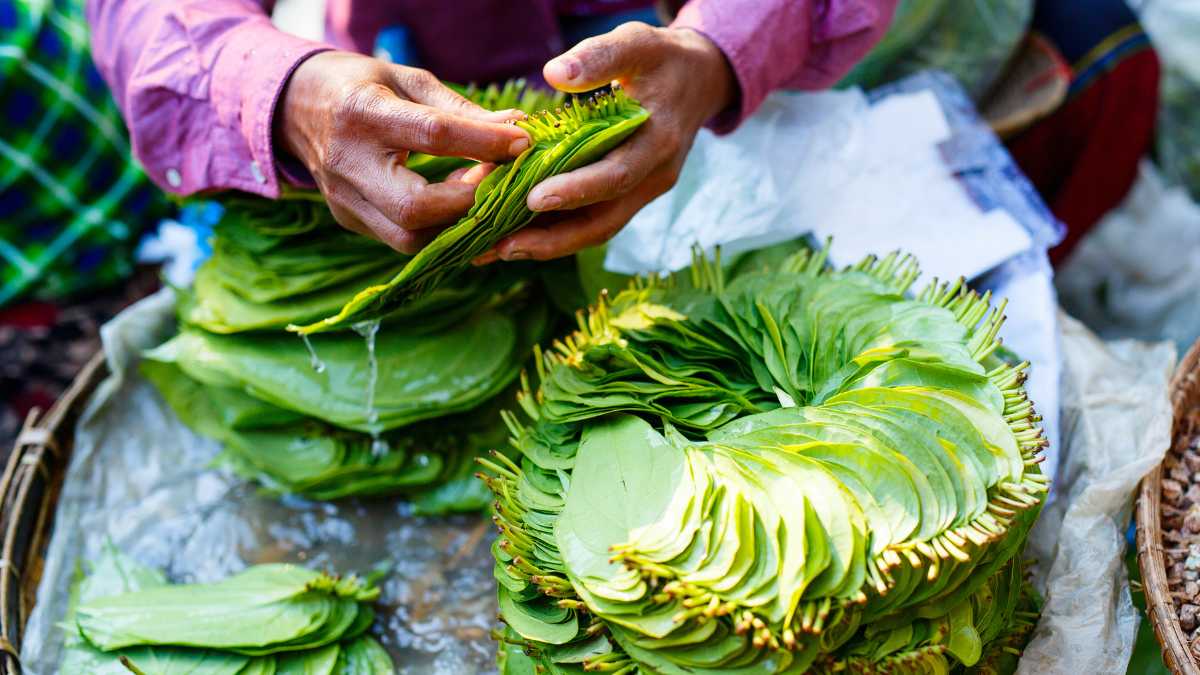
{"x": 1177, "y": 655}
{"x": 29, "y": 489}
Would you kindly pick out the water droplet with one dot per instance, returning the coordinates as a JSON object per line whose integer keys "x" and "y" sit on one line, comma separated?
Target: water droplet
{"x": 379, "y": 446}
{"x": 317, "y": 364}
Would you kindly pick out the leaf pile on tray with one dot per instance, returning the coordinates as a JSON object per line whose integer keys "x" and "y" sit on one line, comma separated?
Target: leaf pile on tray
{"x": 268, "y": 620}
{"x": 398, "y": 393}
{"x": 785, "y": 469}
{"x": 403, "y": 405}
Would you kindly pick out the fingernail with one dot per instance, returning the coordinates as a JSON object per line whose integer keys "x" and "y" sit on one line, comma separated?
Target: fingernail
{"x": 516, "y": 254}
{"x": 518, "y": 146}
{"x": 486, "y": 259}
{"x": 549, "y": 203}
{"x": 565, "y": 67}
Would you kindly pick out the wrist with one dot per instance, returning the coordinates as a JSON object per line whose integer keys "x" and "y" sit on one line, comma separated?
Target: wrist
{"x": 299, "y": 106}
{"x": 709, "y": 66}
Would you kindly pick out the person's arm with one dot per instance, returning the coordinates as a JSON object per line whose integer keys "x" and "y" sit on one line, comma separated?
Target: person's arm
{"x": 213, "y": 94}
{"x": 714, "y": 65}
{"x": 197, "y": 81}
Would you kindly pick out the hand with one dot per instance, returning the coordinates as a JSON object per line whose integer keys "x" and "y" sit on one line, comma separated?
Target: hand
{"x": 352, "y": 120}
{"x": 676, "y": 73}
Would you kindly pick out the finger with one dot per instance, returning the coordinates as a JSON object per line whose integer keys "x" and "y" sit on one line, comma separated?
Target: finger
{"x": 424, "y": 87}
{"x": 407, "y": 200}
{"x": 599, "y": 60}
{"x": 617, "y": 174}
{"x": 477, "y": 173}
{"x": 398, "y": 124}
{"x": 473, "y": 174}
{"x": 590, "y": 226}
{"x": 486, "y": 259}
{"x": 356, "y": 214}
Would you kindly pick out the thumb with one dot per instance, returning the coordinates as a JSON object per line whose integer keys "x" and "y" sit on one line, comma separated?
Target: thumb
{"x": 597, "y": 61}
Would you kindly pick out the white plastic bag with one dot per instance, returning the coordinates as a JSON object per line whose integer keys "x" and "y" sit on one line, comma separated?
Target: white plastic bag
{"x": 1138, "y": 273}
{"x": 1174, "y": 29}
{"x": 1116, "y": 427}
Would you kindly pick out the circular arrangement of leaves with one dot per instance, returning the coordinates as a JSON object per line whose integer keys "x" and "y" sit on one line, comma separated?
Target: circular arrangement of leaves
{"x": 778, "y": 468}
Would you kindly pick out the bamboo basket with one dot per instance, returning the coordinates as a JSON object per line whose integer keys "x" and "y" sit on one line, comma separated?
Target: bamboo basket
{"x": 1185, "y": 395}
{"x": 29, "y": 492}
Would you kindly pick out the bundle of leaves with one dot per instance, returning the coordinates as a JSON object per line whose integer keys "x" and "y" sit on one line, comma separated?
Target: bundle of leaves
{"x": 268, "y": 620}
{"x": 402, "y": 406}
{"x": 782, "y": 469}
{"x": 512, "y": 95}
{"x": 579, "y": 133}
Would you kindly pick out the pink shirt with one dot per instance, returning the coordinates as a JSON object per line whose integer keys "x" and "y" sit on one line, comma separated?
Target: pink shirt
{"x": 198, "y": 80}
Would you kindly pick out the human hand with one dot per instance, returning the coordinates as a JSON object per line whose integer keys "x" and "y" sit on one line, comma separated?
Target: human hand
{"x": 682, "y": 78}
{"x": 352, "y": 120}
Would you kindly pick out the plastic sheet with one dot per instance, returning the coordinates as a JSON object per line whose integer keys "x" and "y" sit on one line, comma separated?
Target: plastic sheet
{"x": 144, "y": 480}
{"x": 1174, "y": 29}
{"x": 1137, "y": 274}
{"x": 1116, "y": 427}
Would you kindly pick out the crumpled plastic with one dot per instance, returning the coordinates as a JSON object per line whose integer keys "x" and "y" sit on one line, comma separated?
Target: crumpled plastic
{"x": 139, "y": 477}
{"x": 1116, "y": 428}
{"x": 1174, "y": 29}
{"x": 1137, "y": 274}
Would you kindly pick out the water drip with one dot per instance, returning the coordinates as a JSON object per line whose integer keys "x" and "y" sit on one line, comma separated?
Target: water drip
{"x": 317, "y": 364}
{"x": 369, "y": 329}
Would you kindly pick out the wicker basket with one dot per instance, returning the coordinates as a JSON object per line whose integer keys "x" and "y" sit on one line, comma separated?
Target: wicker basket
{"x": 28, "y": 492}
{"x": 1185, "y": 395}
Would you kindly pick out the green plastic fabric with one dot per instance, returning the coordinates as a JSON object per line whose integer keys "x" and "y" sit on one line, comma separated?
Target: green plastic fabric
{"x": 972, "y": 40}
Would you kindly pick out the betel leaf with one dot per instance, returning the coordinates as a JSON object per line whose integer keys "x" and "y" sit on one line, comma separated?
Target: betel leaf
{"x": 776, "y": 468}
{"x": 259, "y": 611}
{"x": 114, "y": 573}
{"x": 579, "y": 133}
{"x": 114, "y": 576}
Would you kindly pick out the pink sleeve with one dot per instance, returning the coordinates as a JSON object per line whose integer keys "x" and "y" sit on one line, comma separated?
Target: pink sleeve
{"x": 794, "y": 44}
{"x": 197, "y": 81}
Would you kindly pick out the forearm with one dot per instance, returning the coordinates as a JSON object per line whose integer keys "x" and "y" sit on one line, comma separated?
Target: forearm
{"x": 796, "y": 44}
{"x": 197, "y": 81}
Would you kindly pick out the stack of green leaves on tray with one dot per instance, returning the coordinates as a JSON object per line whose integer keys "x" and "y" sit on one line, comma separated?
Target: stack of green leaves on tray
{"x": 399, "y": 391}
{"x": 579, "y": 133}
{"x": 401, "y": 406}
{"x": 268, "y": 620}
{"x": 777, "y": 469}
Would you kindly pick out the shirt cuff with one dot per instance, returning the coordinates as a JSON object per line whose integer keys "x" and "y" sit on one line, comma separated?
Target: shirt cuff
{"x": 250, "y": 73}
{"x": 736, "y": 34}
{"x": 771, "y": 44}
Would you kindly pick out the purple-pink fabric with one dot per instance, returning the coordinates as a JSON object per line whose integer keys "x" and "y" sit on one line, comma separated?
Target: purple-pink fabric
{"x": 198, "y": 80}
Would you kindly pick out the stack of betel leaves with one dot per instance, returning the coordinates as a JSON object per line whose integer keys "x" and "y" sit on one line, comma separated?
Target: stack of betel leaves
{"x": 399, "y": 392}
{"x": 782, "y": 469}
{"x": 268, "y": 620}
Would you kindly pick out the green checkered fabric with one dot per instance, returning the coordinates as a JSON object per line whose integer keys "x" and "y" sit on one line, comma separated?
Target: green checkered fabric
{"x": 72, "y": 200}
